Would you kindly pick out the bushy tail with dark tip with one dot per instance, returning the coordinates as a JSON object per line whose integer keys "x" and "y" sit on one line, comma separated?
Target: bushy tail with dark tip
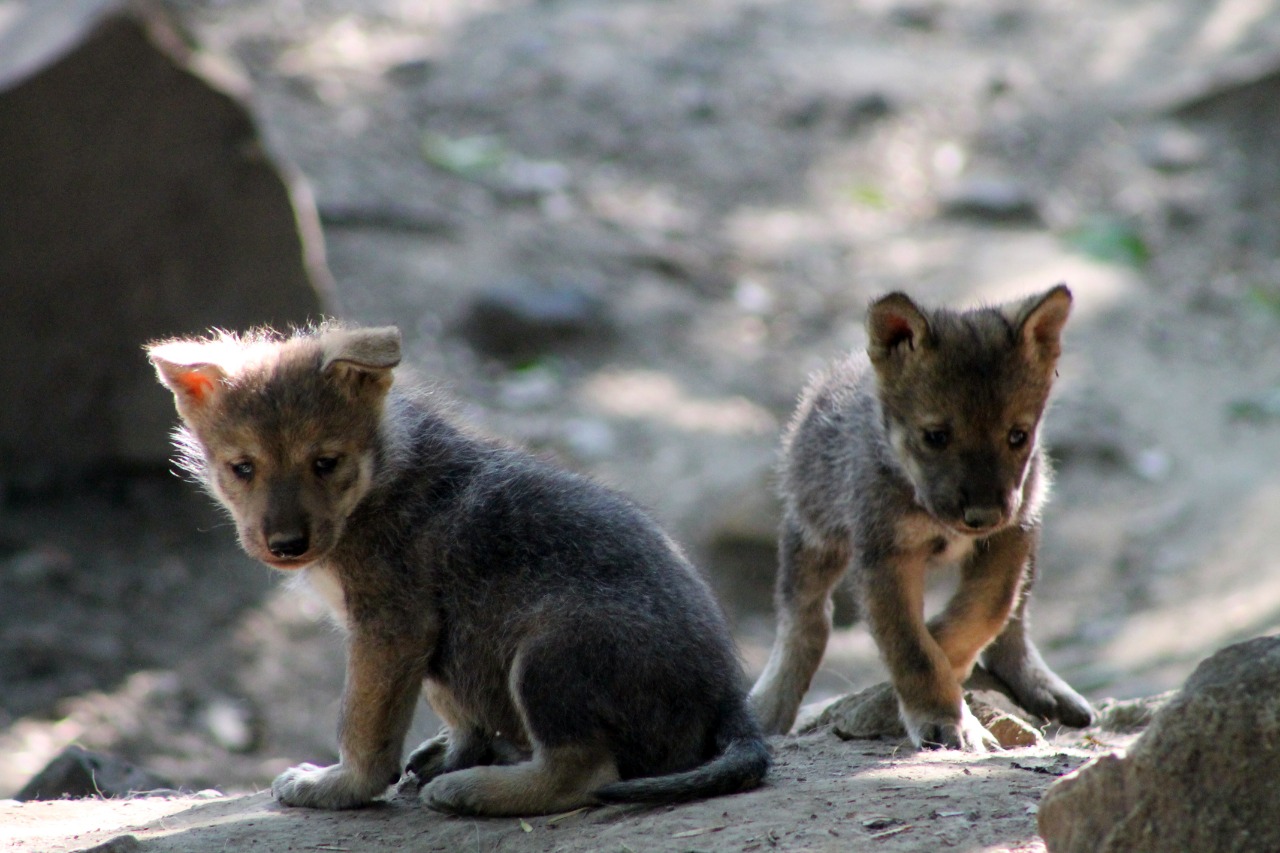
{"x": 742, "y": 763}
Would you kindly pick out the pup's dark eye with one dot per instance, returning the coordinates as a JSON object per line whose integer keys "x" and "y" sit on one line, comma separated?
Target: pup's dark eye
{"x": 243, "y": 470}
{"x": 938, "y": 439}
{"x": 325, "y": 465}
{"x": 1017, "y": 437}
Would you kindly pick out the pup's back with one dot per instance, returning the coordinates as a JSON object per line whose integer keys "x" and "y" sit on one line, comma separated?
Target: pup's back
{"x": 536, "y": 569}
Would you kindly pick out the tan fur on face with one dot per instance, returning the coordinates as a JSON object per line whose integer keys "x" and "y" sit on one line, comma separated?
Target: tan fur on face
{"x": 975, "y": 379}
{"x": 221, "y": 388}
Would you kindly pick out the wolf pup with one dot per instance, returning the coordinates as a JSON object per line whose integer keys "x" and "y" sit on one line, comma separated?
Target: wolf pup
{"x": 574, "y": 653}
{"x": 923, "y": 451}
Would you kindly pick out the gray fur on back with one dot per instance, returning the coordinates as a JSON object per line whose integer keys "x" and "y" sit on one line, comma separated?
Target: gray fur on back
{"x": 546, "y": 581}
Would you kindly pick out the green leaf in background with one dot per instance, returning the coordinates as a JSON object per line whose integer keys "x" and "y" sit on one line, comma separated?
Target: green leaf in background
{"x": 1263, "y": 407}
{"x": 472, "y": 157}
{"x": 868, "y": 195}
{"x": 1265, "y": 299}
{"x": 1108, "y": 239}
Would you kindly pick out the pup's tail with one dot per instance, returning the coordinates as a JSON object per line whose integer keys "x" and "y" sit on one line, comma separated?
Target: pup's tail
{"x": 741, "y": 765}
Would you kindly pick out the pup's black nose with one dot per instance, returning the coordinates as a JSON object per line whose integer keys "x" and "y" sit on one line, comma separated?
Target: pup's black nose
{"x": 981, "y": 517}
{"x": 288, "y": 545}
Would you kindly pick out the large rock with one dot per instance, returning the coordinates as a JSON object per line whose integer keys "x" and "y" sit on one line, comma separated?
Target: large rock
{"x": 137, "y": 202}
{"x": 1205, "y": 776}
{"x": 872, "y": 714}
{"x": 521, "y": 320}
{"x": 77, "y": 772}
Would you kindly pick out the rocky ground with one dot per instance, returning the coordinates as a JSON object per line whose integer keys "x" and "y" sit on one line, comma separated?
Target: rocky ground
{"x": 825, "y": 795}
{"x": 623, "y": 233}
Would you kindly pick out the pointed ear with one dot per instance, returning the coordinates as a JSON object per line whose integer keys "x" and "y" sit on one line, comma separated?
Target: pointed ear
{"x": 1039, "y": 321}
{"x": 362, "y": 355}
{"x": 185, "y": 368}
{"x": 894, "y": 324}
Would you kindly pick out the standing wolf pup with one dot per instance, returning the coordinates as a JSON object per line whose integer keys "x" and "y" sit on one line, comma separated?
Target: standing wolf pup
{"x": 923, "y": 451}
{"x": 574, "y": 653}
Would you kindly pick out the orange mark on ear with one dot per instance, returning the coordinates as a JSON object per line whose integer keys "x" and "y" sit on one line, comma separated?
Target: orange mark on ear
{"x": 896, "y": 330}
{"x": 195, "y": 385}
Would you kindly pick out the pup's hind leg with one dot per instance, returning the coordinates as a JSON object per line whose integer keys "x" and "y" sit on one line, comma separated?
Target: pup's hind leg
{"x": 1014, "y": 659}
{"x": 452, "y": 749}
{"x": 457, "y": 749}
{"x": 551, "y": 695}
{"x": 459, "y": 745}
{"x": 807, "y": 573}
{"x": 557, "y": 779}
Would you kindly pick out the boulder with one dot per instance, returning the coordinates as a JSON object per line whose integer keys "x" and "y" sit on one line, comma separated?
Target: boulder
{"x": 520, "y": 320}
{"x": 139, "y": 202}
{"x": 78, "y": 772}
{"x": 872, "y": 714}
{"x": 992, "y": 199}
{"x": 1204, "y": 776}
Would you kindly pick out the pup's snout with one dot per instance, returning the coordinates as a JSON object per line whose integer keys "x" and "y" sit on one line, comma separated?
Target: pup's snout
{"x": 288, "y": 545}
{"x": 982, "y": 517}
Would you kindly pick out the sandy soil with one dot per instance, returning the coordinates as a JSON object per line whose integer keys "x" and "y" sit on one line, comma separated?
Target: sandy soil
{"x": 825, "y": 794}
{"x": 728, "y": 183}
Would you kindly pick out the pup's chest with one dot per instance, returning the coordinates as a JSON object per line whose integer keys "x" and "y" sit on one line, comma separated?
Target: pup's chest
{"x": 948, "y": 550}
{"x": 938, "y": 546}
{"x": 324, "y": 582}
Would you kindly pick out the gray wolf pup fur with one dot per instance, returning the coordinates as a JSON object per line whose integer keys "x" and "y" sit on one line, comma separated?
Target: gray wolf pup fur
{"x": 574, "y": 653}
{"x": 920, "y": 452}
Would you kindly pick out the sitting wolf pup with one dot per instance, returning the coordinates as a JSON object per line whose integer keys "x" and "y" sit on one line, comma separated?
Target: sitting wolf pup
{"x": 572, "y": 650}
{"x": 923, "y": 451}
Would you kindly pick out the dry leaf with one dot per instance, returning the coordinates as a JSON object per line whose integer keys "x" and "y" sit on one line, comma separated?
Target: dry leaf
{"x": 689, "y": 833}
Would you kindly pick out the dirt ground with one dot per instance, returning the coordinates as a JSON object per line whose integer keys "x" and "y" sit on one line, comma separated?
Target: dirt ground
{"x": 715, "y": 189}
{"x": 824, "y": 795}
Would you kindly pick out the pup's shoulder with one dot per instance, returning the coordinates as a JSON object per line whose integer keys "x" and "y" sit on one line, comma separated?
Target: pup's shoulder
{"x": 518, "y": 486}
{"x": 487, "y": 489}
{"x": 839, "y": 398}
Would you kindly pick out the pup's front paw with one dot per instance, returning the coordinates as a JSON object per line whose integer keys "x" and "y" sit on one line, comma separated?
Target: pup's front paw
{"x": 334, "y": 787}
{"x": 963, "y": 731}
